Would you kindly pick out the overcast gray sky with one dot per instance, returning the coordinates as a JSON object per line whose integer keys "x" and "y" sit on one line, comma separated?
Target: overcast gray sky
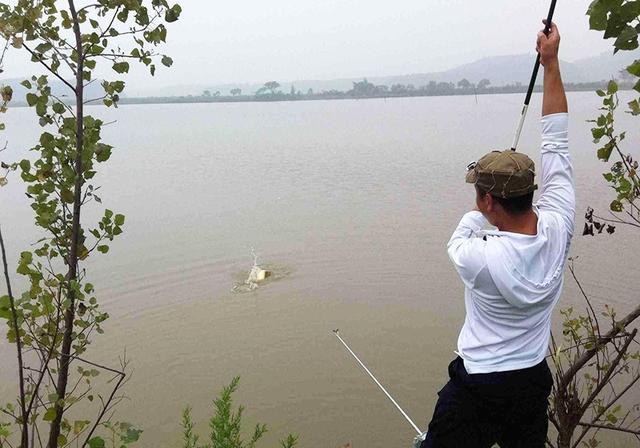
{"x": 255, "y": 40}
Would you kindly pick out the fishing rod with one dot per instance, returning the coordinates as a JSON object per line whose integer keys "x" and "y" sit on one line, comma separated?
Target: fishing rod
{"x": 532, "y": 82}
{"x": 421, "y": 434}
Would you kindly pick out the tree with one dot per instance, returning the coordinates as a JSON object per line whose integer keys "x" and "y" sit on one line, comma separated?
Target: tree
{"x": 292, "y": 91}
{"x": 599, "y": 362}
{"x": 444, "y": 88}
{"x": 484, "y": 83}
{"x": 464, "y": 84}
{"x": 53, "y": 322}
{"x": 382, "y": 89}
{"x": 206, "y": 93}
{"x": 363, "y": 89}
{"x": 398, "y": 88}
{"x": 235, "y": 91}
{"x": 270, "y": 86}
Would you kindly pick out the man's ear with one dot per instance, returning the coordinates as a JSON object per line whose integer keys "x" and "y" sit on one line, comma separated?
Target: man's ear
{"x": 490, "y": 202}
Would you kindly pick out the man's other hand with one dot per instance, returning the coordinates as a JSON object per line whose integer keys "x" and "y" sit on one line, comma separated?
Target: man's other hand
{"x": 548, "y": 46}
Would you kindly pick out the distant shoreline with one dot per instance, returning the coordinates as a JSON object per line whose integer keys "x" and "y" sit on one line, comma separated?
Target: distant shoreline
{"x": 451, "y": 90}
{"x": 349, "y": 95}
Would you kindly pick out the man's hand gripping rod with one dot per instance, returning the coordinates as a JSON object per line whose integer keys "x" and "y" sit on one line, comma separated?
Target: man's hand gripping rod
{"x": 532, "y": 82}
{"x": 420, "y": 433}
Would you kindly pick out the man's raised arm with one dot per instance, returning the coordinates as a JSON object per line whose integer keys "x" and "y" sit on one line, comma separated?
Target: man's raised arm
{"x": 554, "y": 100}
{"x": 557, "y": 192}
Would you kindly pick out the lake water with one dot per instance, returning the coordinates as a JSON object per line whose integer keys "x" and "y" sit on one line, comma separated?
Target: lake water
{"x": 351, "y": 203}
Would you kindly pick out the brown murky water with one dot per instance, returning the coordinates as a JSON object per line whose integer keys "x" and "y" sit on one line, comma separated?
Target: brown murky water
{"x": 351, "y": 202}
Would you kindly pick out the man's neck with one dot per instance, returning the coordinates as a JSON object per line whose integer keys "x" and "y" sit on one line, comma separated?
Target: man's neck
{"x": 526, "y": 223}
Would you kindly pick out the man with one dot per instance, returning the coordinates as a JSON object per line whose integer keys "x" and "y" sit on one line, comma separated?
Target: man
{"x": 500, "y": 383}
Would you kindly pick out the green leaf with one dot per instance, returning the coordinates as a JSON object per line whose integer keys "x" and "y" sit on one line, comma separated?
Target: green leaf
{"x": 167, "y": 61}
{"x": 78, "y": 426}
{"x": 612, "y": 87}
{"x": 597, "y": 16}
{"x": 615, "y": 24}
{"x": 96, "y": 442}
{"x": 41, "y": 108}
{"x": 616, "y": 206}
{"x": 605, "y": 152}
{"x": 25, "y": 165}
{"x": 103, "y": 152}
{"x": 630, "y": 11}
{"x": 66, "y": 195}
{"x": 634, "y": 68}
{"x": 597, "y": 133}
{"x": 26, "y": 257}
{"x": 119, "y": 220}
{"x": 132, "y": 435}
{"x": 121, "y": 67}
{"x": 58, "y": 108}
{"x": 26, "y": 84}
{"x": 32, "y": 99}
{"x": 103, "y": 248}
{"x": 5, "y": 307}
{"x": 173, "y": 14}
{"x": 50, "y": 415}
{"x": 627, "y": 39}
{"x": 634, "y": 107}
{"x": 43, "y": 47}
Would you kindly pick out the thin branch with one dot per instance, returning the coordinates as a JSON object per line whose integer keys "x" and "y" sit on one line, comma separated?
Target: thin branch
{"x": 39, "y": 59}
{"x": 610, "y": 427}
{"x": 16, "y": 329}
{"x": 607, "y": 375}
{"x": 617, "y": 220}
{"x": 93, "y": 5}
{"x": 617, "y": 327}
{"x": 4, "y": 50}
{"x": 95, "y": 99}
{"x": 115, "y": 14}
{"x": 104, "y": 410}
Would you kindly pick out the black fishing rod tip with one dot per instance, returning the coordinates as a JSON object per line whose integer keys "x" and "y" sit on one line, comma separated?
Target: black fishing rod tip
{"x": 336, "y": 331}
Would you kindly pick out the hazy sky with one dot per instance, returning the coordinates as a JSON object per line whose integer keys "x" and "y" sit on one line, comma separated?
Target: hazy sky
{"x": 255, "y": 40}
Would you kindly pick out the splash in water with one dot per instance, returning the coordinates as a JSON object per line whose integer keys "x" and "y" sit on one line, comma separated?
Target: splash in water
{"x": 256, "y": 276}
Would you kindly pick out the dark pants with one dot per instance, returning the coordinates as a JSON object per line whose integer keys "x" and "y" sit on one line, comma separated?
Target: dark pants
{"x": 480, "y": 410}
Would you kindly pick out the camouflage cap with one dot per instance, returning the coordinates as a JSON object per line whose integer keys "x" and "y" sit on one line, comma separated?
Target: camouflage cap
{"x": 506, "y": 174}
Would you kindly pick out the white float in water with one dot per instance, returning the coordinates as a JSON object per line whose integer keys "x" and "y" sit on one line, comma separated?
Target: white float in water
{"x": 256, "y": 275}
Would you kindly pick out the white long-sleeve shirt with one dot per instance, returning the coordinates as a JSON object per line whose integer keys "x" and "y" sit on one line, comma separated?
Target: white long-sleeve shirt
{"x": 512, "y": 280}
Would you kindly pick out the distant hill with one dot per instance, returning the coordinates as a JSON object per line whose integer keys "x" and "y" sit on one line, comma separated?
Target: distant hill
{"x": 93, "y": 90}
{"x": 500, "y": 70}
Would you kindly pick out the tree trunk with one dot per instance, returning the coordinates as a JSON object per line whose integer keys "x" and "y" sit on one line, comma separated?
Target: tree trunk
{"x": 72, "y": 274}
